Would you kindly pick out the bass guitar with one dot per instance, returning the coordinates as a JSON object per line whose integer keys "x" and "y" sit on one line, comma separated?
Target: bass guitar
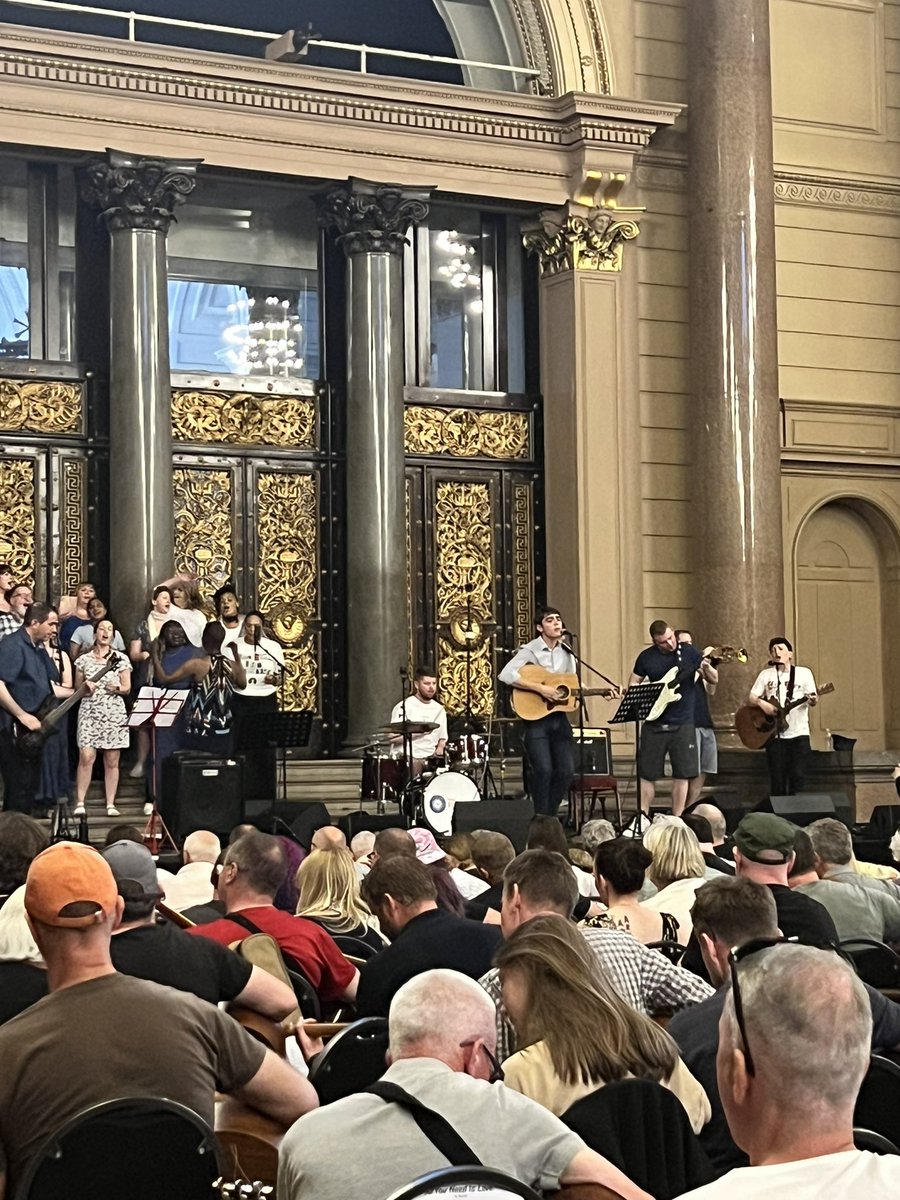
{"x": 30, "y": 742}
{"x": 756, "y": 728}
{"x": 531, "y": 706}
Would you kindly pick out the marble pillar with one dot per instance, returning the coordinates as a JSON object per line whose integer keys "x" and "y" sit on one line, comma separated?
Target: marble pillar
{"x": 371, "y": 221}
{"x": 739, "y": 585}
{"x": 137, "y": 197}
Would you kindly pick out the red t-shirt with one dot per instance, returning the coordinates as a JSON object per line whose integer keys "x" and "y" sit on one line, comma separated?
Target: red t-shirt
{"x": 314, "y": 949}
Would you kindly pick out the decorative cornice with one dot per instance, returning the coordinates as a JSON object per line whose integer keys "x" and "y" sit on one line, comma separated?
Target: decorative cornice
{"x": 579, "y": 238}
{"x": 371, "y": 218}
{"x": 137, "y": 193}
{"x": 837, "y": 193}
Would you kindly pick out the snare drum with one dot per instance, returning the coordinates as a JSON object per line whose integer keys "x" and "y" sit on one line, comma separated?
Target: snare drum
{"x": 441, "y": 797}
{"x": 468, "y": 753}
{"x": 381, "y": 773}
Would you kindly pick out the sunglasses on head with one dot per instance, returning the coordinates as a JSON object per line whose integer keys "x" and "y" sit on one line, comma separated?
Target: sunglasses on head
{"x": 736, "y": 955}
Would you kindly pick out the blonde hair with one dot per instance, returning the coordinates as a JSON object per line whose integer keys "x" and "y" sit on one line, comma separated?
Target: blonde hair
{"x": 676, "y": 852}
{"x": 328, "y": 890}
{"x": 17, "y": 943}
{"x": 591, "y": 1034}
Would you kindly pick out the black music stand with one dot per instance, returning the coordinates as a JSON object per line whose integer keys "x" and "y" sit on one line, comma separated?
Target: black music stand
{"x": 636, "y": 706}
{"x": 281, "y": 731}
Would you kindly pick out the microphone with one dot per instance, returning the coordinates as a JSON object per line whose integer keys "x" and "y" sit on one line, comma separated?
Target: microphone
{"x": 404, "y": 674}
{"x": 570, "y": 633}
{"x": 256, "y": 632}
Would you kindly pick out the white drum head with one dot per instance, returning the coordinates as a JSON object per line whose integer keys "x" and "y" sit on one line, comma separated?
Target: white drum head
{"x": 441, "y": 797}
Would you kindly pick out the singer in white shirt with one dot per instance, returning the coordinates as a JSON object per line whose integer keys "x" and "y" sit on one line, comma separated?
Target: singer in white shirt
{"x": 778, "y": 684}
{"x": 263, "y": 661}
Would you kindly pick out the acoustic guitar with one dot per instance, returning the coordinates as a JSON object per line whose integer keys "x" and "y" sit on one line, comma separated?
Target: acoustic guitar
{"x": 531, "y": 706}
{"x": 756, "y": 728}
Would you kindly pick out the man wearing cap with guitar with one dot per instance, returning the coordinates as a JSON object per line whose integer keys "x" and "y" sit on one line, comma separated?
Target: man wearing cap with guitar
{"x": 786, "y": 692}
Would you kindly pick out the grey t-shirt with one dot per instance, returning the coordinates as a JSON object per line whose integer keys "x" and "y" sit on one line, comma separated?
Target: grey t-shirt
{"x": 110, "y": 1037}
{"x": 382, "y": 1148}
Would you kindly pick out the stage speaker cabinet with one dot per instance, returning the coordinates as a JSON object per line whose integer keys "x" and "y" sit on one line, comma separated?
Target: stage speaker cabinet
{"x": 503, "y": 816}
{"x": 202, "y": 792}
{"x": 358, "y": 822}
{"x": 806, "y": 807}
{"x": 592, "y": 754}
{"x": 300, "y": 818}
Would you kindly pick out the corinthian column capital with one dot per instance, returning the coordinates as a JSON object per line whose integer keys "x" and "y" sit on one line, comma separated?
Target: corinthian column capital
{"x": 133, "y": 192}
{"x": 372, "y": 217}
{"x": 579, "y": 237}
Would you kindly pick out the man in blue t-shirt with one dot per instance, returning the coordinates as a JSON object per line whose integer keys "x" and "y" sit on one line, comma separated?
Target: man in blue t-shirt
{"x": 672, "y": 732}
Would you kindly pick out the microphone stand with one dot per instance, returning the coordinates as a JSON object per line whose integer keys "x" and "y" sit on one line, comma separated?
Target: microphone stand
{"x": 407, "y": 745}
{"x": 579, "y": 664}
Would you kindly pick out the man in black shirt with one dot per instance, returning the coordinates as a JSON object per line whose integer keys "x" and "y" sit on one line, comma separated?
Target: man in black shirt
{"x": 164, "y": 954}
{"x": 400, "y": 892}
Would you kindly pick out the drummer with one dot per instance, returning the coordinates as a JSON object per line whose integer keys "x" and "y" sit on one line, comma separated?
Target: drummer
{"x": 421, "y": 708}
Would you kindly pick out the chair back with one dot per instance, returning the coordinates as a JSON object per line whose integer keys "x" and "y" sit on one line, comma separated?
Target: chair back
{"x": 876, "y": 964}
{"x": 878, "y": 1103}
{"x": 353, "y": 947}
{"x": 642, "y": 1127}
{"x": 671, "y": 949}
{"x": 351, "y": 1061}
{"x": 138, "y": 1147}
{"x": 497, "y": 1183}
{"x": 865, "y": 1139}
{"x": 307, "y": 997}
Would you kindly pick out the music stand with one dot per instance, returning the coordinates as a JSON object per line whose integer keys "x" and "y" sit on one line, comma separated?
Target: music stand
{"x": 155, "y": 708}
{"x": 636, "y": 706}
{"x": 279, "y": 731}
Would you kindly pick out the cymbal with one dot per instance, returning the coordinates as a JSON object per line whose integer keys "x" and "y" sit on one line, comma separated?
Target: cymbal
{"x": 413, "y": 727}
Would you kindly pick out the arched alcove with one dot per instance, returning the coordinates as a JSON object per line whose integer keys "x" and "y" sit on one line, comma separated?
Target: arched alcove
{"x": 847, "y": 588}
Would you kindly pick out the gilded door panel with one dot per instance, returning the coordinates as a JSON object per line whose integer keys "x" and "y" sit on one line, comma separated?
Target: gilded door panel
{"x": 205, "y": 521}
{"x": 20, "y": 537}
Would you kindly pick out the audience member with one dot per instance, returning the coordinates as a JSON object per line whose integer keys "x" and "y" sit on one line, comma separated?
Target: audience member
{"x": 595, "y": 832}
{"x": 835, "y": 859}
{"x": 392, "y": 841}
{"x": 463, "y": 871}
{"x": 620, "y": 867}
{"x": 442, "y": 1057}
{"x": 491, "y": 853}
{"x": 361, "y": 846}
{"x": 21, "y": 840}
{"x": 702, "y": 829}
{"x": 294, "y": 854}
{"x": 18, "y": 599}
{"x": 328, "y": 837}
{"x": 251, "y": 875}
{"x": 328, "y": 890}
{"x": 23, "y": 975}
{"x": 677, "y": 870}
{"x": 539, "y": 883}
{"x": 857, "y": 912}
{"x": 164, "y": 954}
{"x": 574, "y": 1031}
{"x": 401, "y": 894}
{"x": 192, "y": 884}
{"x": 99, "y": 1031}
{"x": 789, "y": 1071}
{"x": 432, "y": 857}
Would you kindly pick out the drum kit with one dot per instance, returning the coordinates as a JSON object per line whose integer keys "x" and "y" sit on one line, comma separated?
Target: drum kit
{"x": 430, "y": 792}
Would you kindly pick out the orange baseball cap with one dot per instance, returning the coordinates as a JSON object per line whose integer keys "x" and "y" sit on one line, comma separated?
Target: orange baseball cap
{"x": 70, "y": 886}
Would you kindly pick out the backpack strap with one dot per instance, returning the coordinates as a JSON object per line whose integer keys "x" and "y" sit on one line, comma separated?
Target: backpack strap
{"x": 436, "y": 1128}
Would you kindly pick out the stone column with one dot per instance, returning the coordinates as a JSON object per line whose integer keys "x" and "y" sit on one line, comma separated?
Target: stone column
{"x": 588, "y": 315}
{"x": 739, "y": 587}
{"x": 137, "y": 197}
{"x": 371, "y": 221}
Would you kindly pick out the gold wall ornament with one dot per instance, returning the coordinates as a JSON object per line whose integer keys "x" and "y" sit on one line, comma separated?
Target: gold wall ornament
{"x": 41, "y": 406}
{"x": 464, "y": 581}
{"x": 17, "y": 517}
{"x": 204, "y": 525}
{"x": 287, "y": 591}
{"x": 72, "y": 531}
{"x": 581, "y": 237}
{"x": 244, "y": 419}
{"x": 523, "y": 562}
{"x": 467, "y": 432}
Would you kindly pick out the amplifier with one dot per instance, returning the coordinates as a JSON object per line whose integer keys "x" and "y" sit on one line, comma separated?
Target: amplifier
{"x": 593, "y": 754}
{"x": 201, "y": 792}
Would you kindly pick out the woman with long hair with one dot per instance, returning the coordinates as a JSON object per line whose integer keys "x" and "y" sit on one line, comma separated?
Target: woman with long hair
{"x": 147, "y": 633}
{"x": 102, "y": 720}
{"x": 677, "y": 871}
{"x": 187, "y": 609}
{"x": 620, "y": 867}
{"x": 574, "y": 1031}
{"x": 328, "y": 887}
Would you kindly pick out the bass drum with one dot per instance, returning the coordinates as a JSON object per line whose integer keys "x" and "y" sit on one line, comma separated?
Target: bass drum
{"x": 441, "y": 797}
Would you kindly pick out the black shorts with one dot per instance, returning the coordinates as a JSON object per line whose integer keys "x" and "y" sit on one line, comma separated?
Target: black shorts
{"x": 678, "y": 741}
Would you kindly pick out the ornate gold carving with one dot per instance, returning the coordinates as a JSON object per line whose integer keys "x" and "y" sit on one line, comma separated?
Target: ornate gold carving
{"x": 464, "y": 578}
{"x": 410, "y": 578}
{"x": 244, "y": 419}
{"x": 204, "y": 537}
{"x": 287, "y": 576}
{"x": 467, "y": 432}
{"x": 580, "y": 238}
{"x": 138, "y": 193}
{"x": 523, "y": 561}
{"x": 41, "y": 406}
{"x": 372, "y": 217}
{"x": 72, "y": 532}
{"x": 17, "y": 517}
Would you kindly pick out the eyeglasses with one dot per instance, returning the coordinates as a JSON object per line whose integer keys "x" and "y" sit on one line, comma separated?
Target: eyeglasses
{"x": 738, "y": 954}
{"x": 496, "y": 1075}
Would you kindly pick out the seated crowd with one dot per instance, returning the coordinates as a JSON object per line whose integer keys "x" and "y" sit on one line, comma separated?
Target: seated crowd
{"x": 513, "y": 1002}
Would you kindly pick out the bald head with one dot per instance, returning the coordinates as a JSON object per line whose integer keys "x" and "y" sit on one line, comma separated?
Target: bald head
{"x": 201, "y": 846}
{"x": 329, "y": 837}
{"x": 389, "y": 842}
{"x": 432, "y": 1014}
{"x": 716, "y": 819}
